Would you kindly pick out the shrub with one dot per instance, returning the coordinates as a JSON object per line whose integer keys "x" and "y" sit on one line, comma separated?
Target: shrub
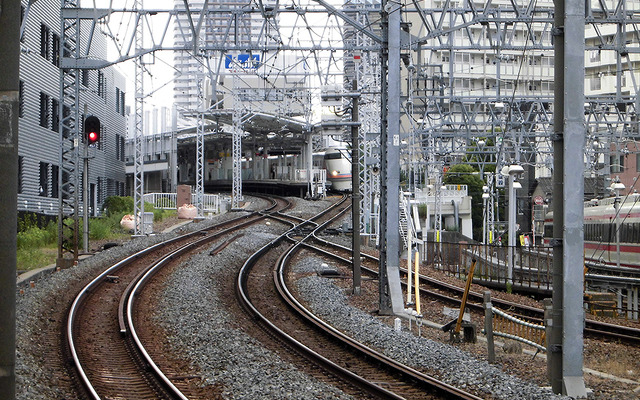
{"x": 31, "y": 236}
{"x": 100, "y": 228}
{"x": 118, "y": 205}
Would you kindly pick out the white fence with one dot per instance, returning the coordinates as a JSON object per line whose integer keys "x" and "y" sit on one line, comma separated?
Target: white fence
{"x": 167, "y": 201}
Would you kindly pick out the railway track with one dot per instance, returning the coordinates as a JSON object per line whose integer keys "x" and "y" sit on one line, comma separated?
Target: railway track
{"x": 107, "y": 354}
{"x": 452, "y": 294}
{"x": 286, "y": 321}
{"x": 111, "y": 363}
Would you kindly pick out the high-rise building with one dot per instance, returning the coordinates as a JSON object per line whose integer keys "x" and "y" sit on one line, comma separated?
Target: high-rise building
{"x": 219, "y": 28}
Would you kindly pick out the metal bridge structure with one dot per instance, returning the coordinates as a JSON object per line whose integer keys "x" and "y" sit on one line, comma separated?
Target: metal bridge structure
{"x": 460, "y": 80}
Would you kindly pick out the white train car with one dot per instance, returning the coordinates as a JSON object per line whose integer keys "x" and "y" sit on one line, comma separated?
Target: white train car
{"x": 337, "y": 162}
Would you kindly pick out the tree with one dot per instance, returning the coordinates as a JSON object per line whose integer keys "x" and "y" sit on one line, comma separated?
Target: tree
{"x": 465, "y": 174}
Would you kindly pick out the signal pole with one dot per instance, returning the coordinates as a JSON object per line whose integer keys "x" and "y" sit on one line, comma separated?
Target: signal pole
{"x": 85, "y": 187}
{"x": 355, "y": 190}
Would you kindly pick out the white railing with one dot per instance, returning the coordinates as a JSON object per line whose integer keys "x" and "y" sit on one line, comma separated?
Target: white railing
{"x": 167, "y": 201}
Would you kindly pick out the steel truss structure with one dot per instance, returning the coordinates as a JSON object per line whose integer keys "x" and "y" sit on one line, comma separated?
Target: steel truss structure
{"x": 69, "y": 114}
{"x": 138, "y": 174}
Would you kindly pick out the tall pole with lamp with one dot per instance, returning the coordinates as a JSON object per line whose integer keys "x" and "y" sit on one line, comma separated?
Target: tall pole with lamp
{"x": 512, "y": 171}
{"x": 617, "y": 186}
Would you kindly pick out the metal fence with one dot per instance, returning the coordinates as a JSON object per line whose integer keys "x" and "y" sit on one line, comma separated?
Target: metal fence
{"x": 532, "y": 266}
{"x": 167, "y": 201}
{"x": 500, "y": 323}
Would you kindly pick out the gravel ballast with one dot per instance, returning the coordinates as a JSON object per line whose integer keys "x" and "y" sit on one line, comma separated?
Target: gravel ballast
{"x": 193, "y": 312}
{"x": 202, "y": 329}
{"x": 454, "y": 366}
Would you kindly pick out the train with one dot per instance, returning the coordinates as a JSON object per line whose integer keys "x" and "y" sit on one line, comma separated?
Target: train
{"x": 607, "y": 235}
{"x": 337, "y": 162}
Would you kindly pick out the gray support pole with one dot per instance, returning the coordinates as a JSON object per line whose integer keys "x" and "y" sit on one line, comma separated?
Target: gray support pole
{"x": 566, "y": 342}
{"x": 138, "y": 174}
{"x": 488, "y": 326}
{"x": 9, "y": 105}
{"x": 383, "y": 287}
{"x": 174, "y": 150}
{"x": 392, "y": 181}
{"x": 355, "y": 190}
{"x": 548, "y": 325}
{"x": 85, "y": 196}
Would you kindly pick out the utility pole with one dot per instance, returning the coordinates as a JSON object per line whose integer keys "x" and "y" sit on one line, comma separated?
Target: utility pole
{"x": 390, "y": 292}
{"x": 355, "y": 190}
{"x": 566, "y": 344}
{"x": 9, "y": 112}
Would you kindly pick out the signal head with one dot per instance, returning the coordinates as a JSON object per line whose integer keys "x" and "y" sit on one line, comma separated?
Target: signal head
{"x": 92, "y": 129}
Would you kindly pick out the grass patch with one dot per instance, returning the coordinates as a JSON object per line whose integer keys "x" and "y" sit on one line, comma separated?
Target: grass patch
{"x": 37, "y": 246}
{"x": 36, "y": 258}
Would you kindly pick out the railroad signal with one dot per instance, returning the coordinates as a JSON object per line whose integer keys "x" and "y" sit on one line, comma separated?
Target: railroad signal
{"x": 92, "y": 129}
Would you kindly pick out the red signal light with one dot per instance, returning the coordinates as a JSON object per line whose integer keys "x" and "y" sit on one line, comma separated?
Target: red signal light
{"x": 93, "y": 137}
{"x": 92, "y": 129}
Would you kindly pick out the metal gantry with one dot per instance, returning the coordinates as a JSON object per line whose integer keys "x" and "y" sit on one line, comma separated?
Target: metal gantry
{"x": 138, "y": 162}
{"x": 199, "y": 161}
{"x": 367, "y": 74}
{"x": 69, "y": 112}
{"x": 236, "y": 151}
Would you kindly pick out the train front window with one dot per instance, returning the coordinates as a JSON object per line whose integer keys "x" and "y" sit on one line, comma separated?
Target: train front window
{"x": 332, "y": 156}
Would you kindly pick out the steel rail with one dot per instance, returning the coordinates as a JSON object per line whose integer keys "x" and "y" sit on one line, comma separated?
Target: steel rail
{"x": 423, "y": 379}
{"x": 595, "y": 328}
{"x": 247, "y": 304}
{"x": 82, "y": 295}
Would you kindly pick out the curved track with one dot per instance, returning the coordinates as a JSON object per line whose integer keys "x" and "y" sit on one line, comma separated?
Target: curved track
{"x": 439, "y": 289}
{"x": 107, "y": 355}
{"x": 373, "y": 374}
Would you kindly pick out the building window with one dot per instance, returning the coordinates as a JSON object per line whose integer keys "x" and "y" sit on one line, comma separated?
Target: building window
{"x": 44, "y": 110}
{"x": 85, "y": 78}
{"x": 45, "y": 36}
{"x": 99, "y": 188}
{"x": 118, "y": 104}
{"x": 22, "y": 11}
{"x": 595, "y": 83}
{"x": 44, "y": 179}
{"x": 119, "y": 147}
{"x": 55, "y": 54}
{"x": 594, "y": 56}
{"x": 55, "y": 115}
{"x": 66, "y": 112}
{"x": 103, "y": 134}
{"x": 122, "y": 103}
{"x": 101, "y": 85}
{"x": 20, "y": 161}
{"x": 617, "y": 163}
{"x": 55, "y": 170}
{"x": 21, "y": 100}
{"x": 547, "y": 61}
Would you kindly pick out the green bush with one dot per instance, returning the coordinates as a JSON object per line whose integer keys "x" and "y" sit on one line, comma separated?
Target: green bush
{"x": 118, "y": 204}
{"x": 422, "y": 210}
{"x": 35, "y": 258}
{"x": 101, "y": 228}
{"x": 30, "y": 236}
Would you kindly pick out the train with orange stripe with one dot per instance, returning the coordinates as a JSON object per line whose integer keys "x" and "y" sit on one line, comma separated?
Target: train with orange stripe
{"x": 611, "y": 231}
{"x": 337, "y": 162}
